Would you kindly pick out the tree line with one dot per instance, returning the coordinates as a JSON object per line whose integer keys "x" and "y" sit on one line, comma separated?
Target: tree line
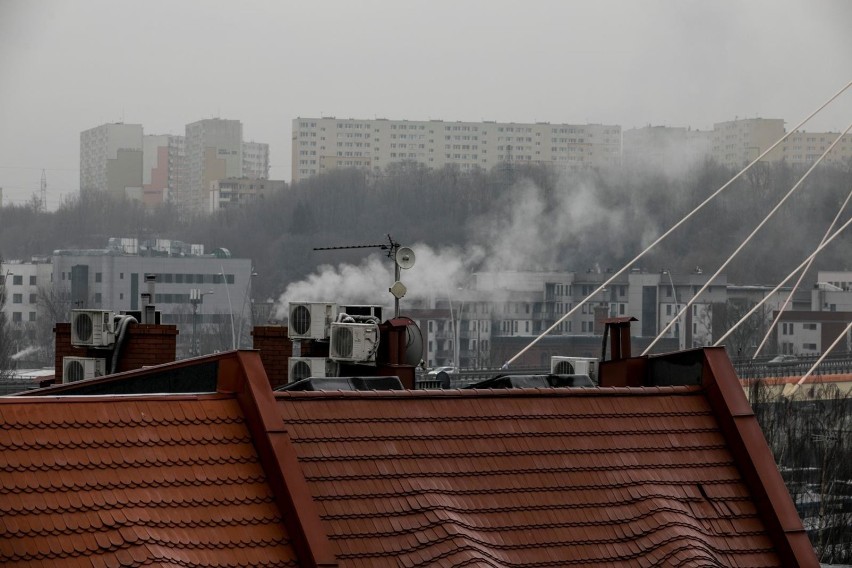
{"x": 616, "y": 212}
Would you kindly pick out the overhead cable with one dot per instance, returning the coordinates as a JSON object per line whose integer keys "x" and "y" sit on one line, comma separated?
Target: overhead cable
{"x": 678, "y": 224}
{"x": 742, "y": 245}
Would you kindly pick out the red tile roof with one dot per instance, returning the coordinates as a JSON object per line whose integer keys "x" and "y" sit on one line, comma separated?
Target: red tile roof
{"x": 562, "y": 477}
{"x": 129, "y": 481}
{"x": 553, "y": 477}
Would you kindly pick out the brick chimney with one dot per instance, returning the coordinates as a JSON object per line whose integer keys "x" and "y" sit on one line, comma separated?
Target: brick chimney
{"x": 276, "y": 349}
{"x": 144, "y": 345}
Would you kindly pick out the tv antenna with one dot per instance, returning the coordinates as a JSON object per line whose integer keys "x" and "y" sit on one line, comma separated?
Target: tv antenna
{"x": 403, "y": 258}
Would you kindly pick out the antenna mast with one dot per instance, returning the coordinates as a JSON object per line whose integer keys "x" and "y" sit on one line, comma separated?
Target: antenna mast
{"x": 403, "y": 257}
{"x": 43, "y": 195}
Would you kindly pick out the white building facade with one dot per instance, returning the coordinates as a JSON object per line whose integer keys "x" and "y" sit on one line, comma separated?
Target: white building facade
{"x": 325, "y": 144}
{"x": 111, "y": 159}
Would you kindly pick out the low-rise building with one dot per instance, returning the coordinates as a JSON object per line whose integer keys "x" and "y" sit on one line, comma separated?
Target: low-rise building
{"x": 114, "y": 280}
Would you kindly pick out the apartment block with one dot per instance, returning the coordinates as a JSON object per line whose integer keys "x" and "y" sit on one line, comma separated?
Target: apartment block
{"x": 111, "y": 160}
{"x": 163, "y": 161}
{"x": 463, "y": 328}
{"x": 231, "y": 193}
{"x": 255, "y": 160}
{"x": 328, "y": 143}
{"x": 214, "y": 151}
{"x": 804, "y": 148}
{"x": 22, "y": 281}
{"x": 738, "y": 142}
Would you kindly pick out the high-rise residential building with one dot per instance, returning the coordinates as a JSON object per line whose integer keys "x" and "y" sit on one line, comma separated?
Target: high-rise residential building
{"x": 804, "y": 148}
{"x": 255, "y": 160}
{"x": 214, "y": 151}
{"x": 738, "y": 142}
{"x": 163, "y": 163}
{"x": 324, "y": 144}
{"x": 111, "y": 159}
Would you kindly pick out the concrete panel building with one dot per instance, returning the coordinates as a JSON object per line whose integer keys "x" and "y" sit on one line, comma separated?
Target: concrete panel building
{"x": 22, "y": 281}
{"x": 738, "y": 142}
{"x": 324, "y": 144}
{"x": 233, "y": 193}
{"x": 214, "y": 151}
{"x": 255, "y": 160}
{"x": 163, "y": 162}
{"x": 111, "y": 160}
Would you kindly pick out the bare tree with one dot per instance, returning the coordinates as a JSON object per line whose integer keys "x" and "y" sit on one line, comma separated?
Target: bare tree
{"x": 809, "y": 436}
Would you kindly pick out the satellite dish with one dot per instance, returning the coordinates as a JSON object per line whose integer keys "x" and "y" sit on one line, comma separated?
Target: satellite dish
{"x": 405, "y": 257}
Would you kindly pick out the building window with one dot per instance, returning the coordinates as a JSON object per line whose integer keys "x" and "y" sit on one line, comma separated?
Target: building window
{"x": 17, "y": 298}
{"x": 33, "y": 299}
{"x": 32, "y": 280}
{"x": 809, "y": 346}
{"x": 98, "y": 297}
{"x": 121, "y": 295}
{"x": 32, "y": 316}
{"x": 16, "y": 317}
{"x": 98, "y": 276}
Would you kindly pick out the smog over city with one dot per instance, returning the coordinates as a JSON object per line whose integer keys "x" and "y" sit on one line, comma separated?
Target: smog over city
{"x": 203, "y": 203}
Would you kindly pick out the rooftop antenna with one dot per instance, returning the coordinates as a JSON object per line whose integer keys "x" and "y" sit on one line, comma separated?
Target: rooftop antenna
{"x": 403, "y": 258}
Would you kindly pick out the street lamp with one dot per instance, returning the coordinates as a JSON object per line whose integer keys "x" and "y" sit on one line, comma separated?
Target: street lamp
{"x": 196, "y": 297}
{"x": 230, "y": 308}
{"x": 243, "y": 308}
{"x": 679, "y": 332}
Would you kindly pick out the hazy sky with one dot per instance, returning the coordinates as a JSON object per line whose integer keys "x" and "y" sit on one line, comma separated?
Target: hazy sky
{"x": 66, "y": 66}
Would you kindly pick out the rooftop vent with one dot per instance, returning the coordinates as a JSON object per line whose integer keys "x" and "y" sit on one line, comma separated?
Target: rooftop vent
{"x": 533, "y": 382}
{"x": 344, "y": 384}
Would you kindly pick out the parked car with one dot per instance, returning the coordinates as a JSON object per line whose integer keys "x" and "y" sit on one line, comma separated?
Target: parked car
{"x": 434, "y": 372}
{"x": 782, "y": 360}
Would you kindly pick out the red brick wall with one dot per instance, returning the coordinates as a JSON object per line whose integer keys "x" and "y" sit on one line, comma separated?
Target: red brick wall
{"x": 276, "y": 349}
{"x": 143, "y": 345}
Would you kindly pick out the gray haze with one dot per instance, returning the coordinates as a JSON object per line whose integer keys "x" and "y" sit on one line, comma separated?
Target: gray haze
{"x": 69, "y": 66}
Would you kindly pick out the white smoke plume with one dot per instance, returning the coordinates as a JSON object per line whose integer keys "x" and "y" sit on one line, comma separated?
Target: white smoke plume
{"x": 528, "y": 230}
{"x": 434, "y": 272}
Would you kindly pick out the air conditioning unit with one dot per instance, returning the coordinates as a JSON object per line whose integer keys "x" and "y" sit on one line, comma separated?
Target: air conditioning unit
{"x": 575, "y": 366}
{"x": 363, "y": 310}
{"x": 92, "y": 328}
{"x": 354, "y": 342}
{"x": 310, "y": 367}
{"x": 79, "y": 368}
{"x": 310, "y": 320}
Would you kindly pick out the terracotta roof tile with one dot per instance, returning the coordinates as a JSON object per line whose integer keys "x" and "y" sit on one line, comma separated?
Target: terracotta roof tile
{"x": 131, "y": 481}
{"x": 490, "y": 479}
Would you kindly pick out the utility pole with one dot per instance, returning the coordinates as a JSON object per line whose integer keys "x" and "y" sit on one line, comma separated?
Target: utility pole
{"x": 196, "y": 297}
{"x": 43, "y": 196}
{"x": 403, "y": 257}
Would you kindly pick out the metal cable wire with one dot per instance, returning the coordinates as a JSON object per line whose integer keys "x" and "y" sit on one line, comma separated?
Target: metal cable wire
{"x": 678, "y": 224}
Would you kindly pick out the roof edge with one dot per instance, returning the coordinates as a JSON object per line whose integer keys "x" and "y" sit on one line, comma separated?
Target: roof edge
{"x": 755, "y": 460}
{"x": 243, "y": 375}
{"x": 552, "y": 392}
